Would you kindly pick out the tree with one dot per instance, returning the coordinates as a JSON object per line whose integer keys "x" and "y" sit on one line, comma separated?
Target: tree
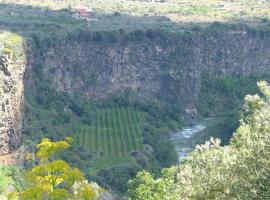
{"x": 54, "y": 179}
{"x": 144, "y": 186}
{"x": 240, "y": 170}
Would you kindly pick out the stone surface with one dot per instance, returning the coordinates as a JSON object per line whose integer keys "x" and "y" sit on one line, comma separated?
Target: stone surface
{"x": 11, "y": 103}
{"x": 167, "y": 67}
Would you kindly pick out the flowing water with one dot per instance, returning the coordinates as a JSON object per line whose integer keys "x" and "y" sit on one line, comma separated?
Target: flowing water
{"x": 184, "y": 140}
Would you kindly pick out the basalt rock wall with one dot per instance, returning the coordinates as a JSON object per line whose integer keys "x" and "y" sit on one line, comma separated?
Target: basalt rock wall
{"x": 163, "y": 66}
{"x": 11, "y": 102}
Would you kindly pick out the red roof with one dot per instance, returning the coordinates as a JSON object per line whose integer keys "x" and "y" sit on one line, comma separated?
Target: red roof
{"x": 83, "y": 12}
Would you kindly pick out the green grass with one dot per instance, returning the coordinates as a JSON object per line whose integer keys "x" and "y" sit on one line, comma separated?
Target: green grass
{"x": 113, "y": 135}
{"x": 28, "y": 16}
{"x": 208, "y": 8}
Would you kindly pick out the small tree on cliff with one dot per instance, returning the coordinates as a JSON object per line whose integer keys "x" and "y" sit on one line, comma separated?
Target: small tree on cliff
{"x": 54, "y": 179}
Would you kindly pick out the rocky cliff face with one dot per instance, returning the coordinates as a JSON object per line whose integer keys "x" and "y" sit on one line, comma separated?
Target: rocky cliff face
{"x": 163, "y": 66}
{"x": 11, "y": 102}
{"x": 167, "y": 67}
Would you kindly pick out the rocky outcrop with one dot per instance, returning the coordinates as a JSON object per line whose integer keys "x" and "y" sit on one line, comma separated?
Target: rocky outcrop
{"x": 164, "y": 66}
{"x": 11, "y": 102}
{"x": 167, "y": 67}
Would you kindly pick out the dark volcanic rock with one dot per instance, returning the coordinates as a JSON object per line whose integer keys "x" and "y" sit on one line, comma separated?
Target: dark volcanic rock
{"x": 167, "y": 67}
{"x": 11, "y": 103}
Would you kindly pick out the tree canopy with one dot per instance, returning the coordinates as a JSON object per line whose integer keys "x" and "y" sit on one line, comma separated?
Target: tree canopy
{"x": 240, "y": 170}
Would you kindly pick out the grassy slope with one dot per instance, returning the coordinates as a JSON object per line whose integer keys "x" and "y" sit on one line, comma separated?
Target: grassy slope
{"x": 171, "y": 15}
{"x": 205, "y": 10}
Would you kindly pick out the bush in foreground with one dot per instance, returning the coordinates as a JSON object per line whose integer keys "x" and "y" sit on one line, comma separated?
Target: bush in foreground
{"x": 240, "y": 170}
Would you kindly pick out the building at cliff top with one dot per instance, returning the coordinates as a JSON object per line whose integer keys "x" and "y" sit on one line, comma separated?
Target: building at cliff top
{"x": 82, "y": 12}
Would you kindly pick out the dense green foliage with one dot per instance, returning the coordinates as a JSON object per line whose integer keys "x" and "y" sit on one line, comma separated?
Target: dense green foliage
{"x": 220, "y": 94}
{"x": 221, "y": 97}
{"x": 142, "y": 130}
{"x": 107, "y": 134}
{"x": 54, "y": 114}
{"x": 116, "y": 138}
{"x": 237, "y": 171}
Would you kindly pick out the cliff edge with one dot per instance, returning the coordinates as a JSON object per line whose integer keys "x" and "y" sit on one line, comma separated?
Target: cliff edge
{"x": 12, "y": 67}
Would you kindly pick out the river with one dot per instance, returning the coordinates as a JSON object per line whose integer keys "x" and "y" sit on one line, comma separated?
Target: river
{"x": 184, "y": 140}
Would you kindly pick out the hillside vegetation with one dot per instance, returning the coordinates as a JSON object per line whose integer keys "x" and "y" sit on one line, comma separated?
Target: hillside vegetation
{"x": 126, "y": 132}
{"x": 112, "y": 138}
{"x": 178, "y": 10}
{"x": 237, "y": 171}
{"x": 115, "y": 133}
{"x": 130, "y": 15}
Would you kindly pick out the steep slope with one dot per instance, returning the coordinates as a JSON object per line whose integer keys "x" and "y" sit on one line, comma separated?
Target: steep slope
{"x": 81, "y": 78}
{"x": 152, "y": 65}
{"x": 12, "y": 66}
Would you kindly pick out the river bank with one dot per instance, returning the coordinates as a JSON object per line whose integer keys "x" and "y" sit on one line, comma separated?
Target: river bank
{"x": 185, "y": 141}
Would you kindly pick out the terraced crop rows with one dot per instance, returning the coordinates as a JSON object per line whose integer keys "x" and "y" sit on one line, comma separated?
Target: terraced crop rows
{"x": 114, "y": 133}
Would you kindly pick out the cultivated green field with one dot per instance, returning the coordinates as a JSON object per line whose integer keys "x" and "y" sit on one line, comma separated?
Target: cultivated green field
{"x": 115, "y": 133}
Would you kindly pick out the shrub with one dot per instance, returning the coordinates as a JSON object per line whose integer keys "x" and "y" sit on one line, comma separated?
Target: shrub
{"x": 237, "y": 171}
